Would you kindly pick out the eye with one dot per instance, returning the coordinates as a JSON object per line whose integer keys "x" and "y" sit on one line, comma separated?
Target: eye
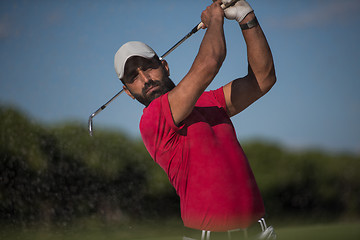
{"x": 134, "y": 77}
{"x": 131, "y": 76}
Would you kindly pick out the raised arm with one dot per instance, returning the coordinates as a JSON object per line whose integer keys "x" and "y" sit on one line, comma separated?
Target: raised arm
{"x": 206, "y": 65}
{"x": 242, "y": 92}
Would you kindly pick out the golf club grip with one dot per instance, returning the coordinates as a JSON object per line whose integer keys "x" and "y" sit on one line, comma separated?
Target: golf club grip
{"x": 223, "y": 6}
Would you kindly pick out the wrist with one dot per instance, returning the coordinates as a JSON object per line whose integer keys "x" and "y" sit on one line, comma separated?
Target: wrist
{"x": 248, "y": 18}
{"x": 216, "y": 21}
{"x": 250, "y": 24}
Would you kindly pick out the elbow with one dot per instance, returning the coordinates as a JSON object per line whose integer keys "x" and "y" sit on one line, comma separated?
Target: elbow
{"x": 214, "y": 65}
{"x": 268, "y": 81}
{"x": 271, "y": 79}
{"x": 264, "y": 78}
{"x": 215, "y": 62}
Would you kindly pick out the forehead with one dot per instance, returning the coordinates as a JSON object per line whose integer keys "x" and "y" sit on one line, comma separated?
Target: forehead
{"x": 135, "y": 61}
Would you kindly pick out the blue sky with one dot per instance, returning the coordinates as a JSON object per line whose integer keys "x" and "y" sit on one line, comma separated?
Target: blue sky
{"x": 56, "y": 63}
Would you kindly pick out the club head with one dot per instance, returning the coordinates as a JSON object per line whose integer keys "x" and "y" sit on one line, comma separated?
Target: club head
{"x": 269, "y": 233}
{"x": 90, "y": 124}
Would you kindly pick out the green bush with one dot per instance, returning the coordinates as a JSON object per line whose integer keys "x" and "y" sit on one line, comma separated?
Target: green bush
{"x": 59, "y": 173}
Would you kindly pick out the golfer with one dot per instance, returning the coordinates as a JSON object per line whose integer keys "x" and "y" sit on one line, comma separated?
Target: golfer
{"x": 188, "y": 131}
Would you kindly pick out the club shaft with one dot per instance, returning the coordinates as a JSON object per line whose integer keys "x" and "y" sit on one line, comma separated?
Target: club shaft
{"x": 99, "y": 110}
{"x": 194, "y": 30}
{"x": 107, "y": 103}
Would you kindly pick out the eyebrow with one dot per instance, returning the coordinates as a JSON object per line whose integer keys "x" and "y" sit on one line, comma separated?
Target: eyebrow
{"x": 138, "y": 62}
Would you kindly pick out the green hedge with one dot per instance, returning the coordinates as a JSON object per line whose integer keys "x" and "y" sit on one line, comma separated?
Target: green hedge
{"x": 59, "y": 173}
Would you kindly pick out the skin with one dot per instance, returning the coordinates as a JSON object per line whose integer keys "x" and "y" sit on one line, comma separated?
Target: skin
{"x": 242, "y": 92}
{"x": 146, "y": 81}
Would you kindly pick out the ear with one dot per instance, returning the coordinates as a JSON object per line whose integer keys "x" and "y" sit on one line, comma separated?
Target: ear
{"x": 128, "y": 92}
{"x": 166, "y": 67}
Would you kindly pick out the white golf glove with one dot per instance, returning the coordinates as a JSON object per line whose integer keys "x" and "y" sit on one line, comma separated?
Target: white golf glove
{"x": 239, "y": 11}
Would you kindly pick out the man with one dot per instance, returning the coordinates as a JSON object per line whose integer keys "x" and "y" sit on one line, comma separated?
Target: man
{"x": 188, "y": 132}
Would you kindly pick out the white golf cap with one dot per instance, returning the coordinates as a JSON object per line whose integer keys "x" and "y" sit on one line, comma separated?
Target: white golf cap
{"x": 130, "y": 49}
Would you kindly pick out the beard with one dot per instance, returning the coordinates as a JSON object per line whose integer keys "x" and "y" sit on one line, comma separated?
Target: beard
{"x": 162, "y": 87}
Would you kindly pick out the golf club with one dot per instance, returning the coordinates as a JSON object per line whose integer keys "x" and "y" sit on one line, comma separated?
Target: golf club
{"x": 90, "y": 124}
{"x": 266, "y": 232}
{"x": 194, "y": 30}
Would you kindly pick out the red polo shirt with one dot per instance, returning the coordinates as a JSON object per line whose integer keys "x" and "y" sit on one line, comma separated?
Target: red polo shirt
{"x": 204, "y": 162}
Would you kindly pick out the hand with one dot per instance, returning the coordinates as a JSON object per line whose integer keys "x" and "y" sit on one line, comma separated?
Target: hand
{"x": 212, "y": 13}
{"x": 239, "y": 11}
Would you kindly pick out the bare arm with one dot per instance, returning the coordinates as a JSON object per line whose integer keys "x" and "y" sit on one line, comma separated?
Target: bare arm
{"x": 242, "y": 92}
{"x": 206, "y": 65}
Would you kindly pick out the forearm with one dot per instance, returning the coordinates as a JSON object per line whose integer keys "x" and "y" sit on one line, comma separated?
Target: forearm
{"x": 207, "y": 63}
{"x": 211, "y": 53}
{"x": 213, "y": 45}
{"x": 259, "y": 55}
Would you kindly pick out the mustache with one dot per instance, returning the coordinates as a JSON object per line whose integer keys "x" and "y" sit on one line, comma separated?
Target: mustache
{"x": 150, "y": 84}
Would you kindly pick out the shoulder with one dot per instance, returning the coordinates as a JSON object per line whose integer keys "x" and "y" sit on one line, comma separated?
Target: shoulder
{"x": 152, "y": 113}
{"x": 156, "y": 125}
{"x": 156, "y": 118}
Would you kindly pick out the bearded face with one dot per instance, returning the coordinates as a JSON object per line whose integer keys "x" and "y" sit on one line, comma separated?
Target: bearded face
{"x": 146, "y": 79}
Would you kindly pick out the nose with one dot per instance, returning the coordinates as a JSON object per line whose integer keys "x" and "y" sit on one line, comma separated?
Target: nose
{"x": 144, "y": 76}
